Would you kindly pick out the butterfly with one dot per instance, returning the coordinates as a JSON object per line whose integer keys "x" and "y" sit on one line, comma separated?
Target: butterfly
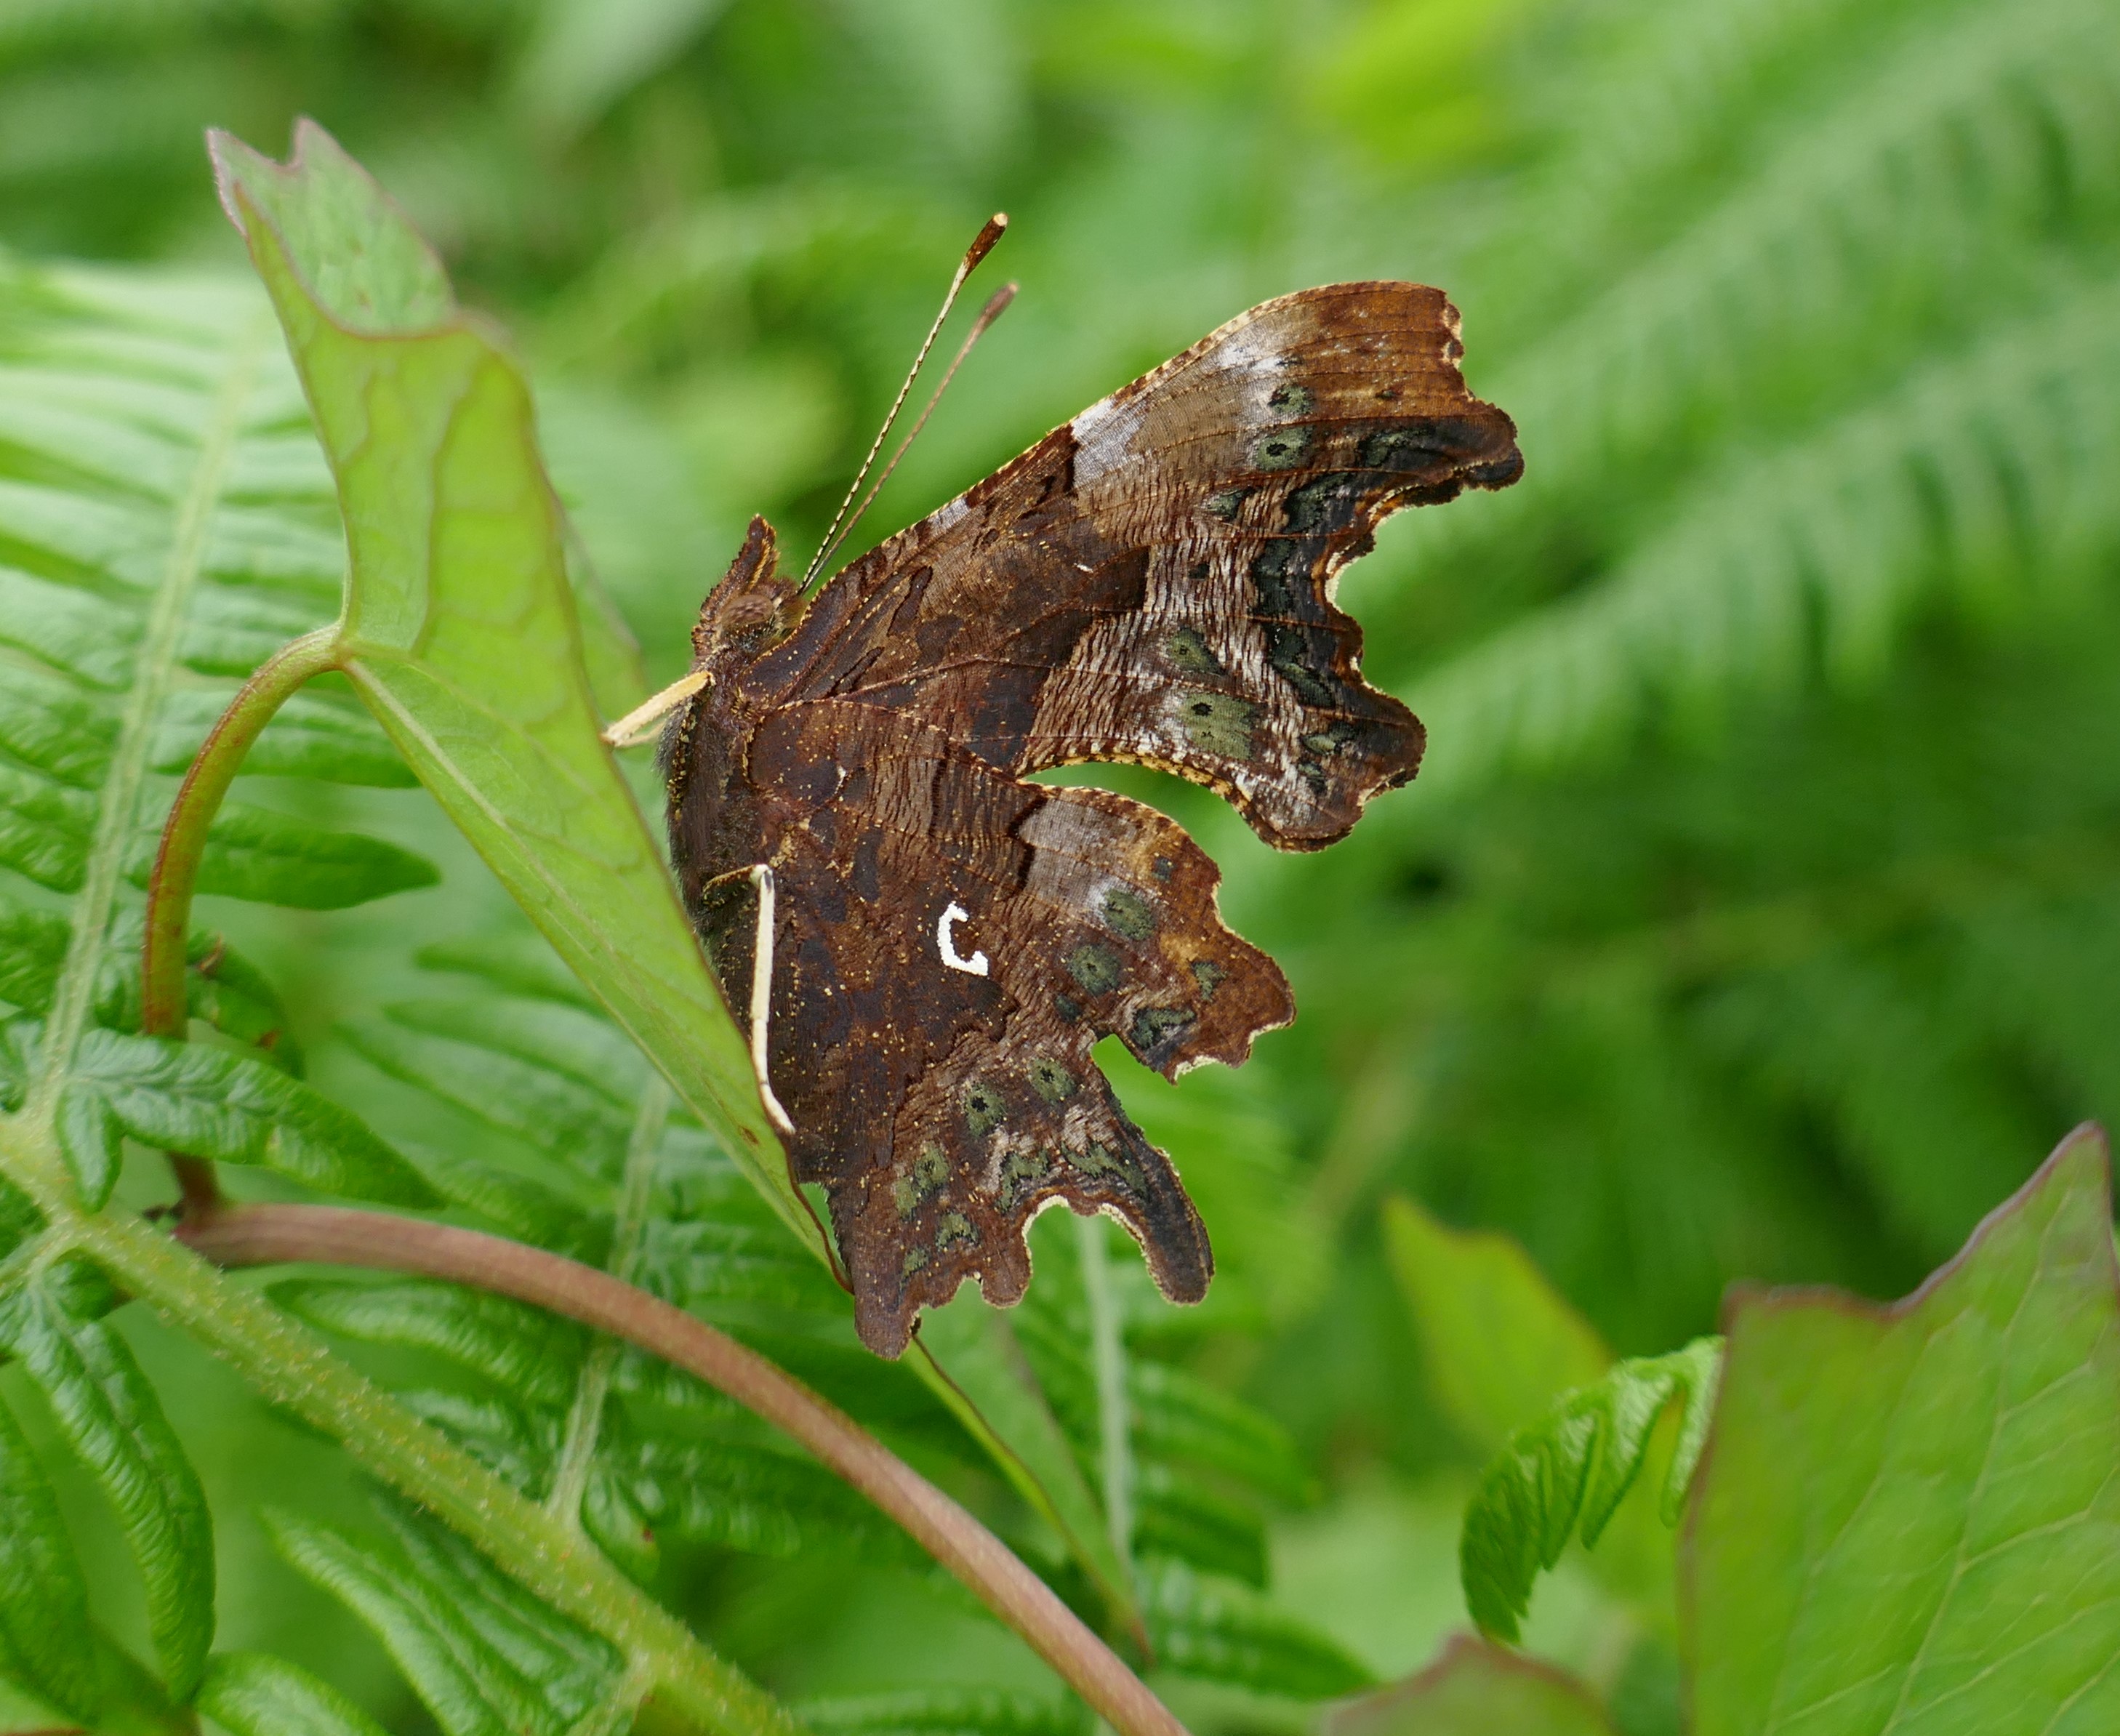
{"x": 928, "y": 945}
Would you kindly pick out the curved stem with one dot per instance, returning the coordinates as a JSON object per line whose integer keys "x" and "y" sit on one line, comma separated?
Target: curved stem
{"x": 169, "y": 889}
{"x": 258, "y": 1235}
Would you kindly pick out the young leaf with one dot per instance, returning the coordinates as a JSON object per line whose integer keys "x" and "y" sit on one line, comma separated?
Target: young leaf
{"x": 216, "y": 1103}
{"x": 1568, "y": 1472}
{"x": 1500, "y": 1341}
{"x": 1907, "y": 1515}
{"x": 249, "y": 1693}
{"x": 1475, "y": 1688}
{"x": 485, "y": 1659}
{"x": 111, "y": 1418}
{"x": 46, "y": 1645}
{"x": 461, "y": 630}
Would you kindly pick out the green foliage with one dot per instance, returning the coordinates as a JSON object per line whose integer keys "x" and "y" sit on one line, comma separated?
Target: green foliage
{"x": 1906, "y": 1513}
{"x": 45, "y": 1640}
{"x": 1567, "y": 1474}
{"x": 486, "y": 1659}
{"x": 250, "y": 1694}
{"x": 1754, "y": 915}
{"x": 1499, "y": 1343}
{"x": 109, "y": 1415}
{"x": 220, "y": 1104}
{"x": 1473, "y": 1689}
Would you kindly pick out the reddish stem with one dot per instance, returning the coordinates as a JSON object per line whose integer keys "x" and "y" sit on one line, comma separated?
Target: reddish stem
{"x": 163, "y": 1002}
{"x": 262, "y": 1235}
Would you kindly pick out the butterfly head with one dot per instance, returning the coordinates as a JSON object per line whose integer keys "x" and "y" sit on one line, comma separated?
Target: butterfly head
{"x": 753, "y": 607}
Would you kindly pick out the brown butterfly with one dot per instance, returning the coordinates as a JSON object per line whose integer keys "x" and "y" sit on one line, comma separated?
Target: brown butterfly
{"x": 927, "y": 945}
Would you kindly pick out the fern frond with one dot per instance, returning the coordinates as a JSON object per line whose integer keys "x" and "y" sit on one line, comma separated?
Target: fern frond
{"x": 1832, "y": 543}
{"x": 943, "y": 1712}
{"x": 1221, "y": 1633}
{"x": 1568, "y": 1471}
{"x": 485, "y": 1659}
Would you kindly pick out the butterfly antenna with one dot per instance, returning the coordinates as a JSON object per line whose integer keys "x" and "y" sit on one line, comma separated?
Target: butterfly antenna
{"x": 993, "y": 311}
{"x": 982, "y": 244}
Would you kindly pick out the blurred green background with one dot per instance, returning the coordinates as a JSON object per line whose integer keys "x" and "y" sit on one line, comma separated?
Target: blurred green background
{"x": 1757, "y": 915}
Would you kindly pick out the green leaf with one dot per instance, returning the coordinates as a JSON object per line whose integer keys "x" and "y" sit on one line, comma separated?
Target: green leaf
{"x": 1222, "y": 1632}
{"x": 112, "y": 1419}
{"x": 308, "y": 737}
{"x": 1569, "y": 1471}
{"x": 483, "y": 1655}
{"x": 1179, "y": 1417}
{"x": 944, "y": 1712}
{"x": 532, "y": 1354}
{"x": 46, "y": 1645}
{"x": 269, "y": 859}
{"x": 1500, "y": 1342}
{"x": 1907, "y": 1516}
{"x": 1176, "y": 1515}
{"x": 249, "y": 1693}
{"x": 461, "y": 628}
{"x": 1475, "y": 1688}
{"x": 212, "y": 1103}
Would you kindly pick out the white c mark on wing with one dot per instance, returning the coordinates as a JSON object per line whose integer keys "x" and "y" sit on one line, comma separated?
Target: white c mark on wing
{"x": 975, "y": 966}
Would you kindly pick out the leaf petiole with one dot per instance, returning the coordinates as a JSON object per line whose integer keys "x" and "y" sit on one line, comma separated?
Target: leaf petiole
{"x": 176, "y": 877}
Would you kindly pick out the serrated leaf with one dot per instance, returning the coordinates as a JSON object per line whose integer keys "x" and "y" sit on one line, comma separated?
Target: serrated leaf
{"x": 46, "y": 1645}
{"x": 532, "y": 1354}
{"x": 482, "y": 1668}
{"x": 266, "y": 858}
{"x": 215, "y": 1104}
{"x": 1475, "y": 1689}
{"x": 111, "y": 1418}
{"x": 1907, "y": 1516}
{"x": 45, "y": 829}
{"x": 33, "y": 946}
{"x": 52, "y": 726}
{"x": 1500, "y": 1342}
{"x": 1224, "y": 1632}
{"x": 249, "y": 1693}
{"x": 944, "y": 1712}
{"x": 1568, "y": 1472}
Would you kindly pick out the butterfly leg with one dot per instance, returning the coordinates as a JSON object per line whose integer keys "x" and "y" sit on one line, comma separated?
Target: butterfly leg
{"x": 642, "y": 723}
{"x": 761, "y": 1009}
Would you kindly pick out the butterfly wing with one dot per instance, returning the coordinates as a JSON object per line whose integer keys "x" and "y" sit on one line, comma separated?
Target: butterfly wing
{"x": 1153, "y": 581}
{"x": 1150, "y": 582}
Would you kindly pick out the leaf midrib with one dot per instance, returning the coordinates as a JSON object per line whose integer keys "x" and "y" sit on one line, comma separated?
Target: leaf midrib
{"x": 120, "y": 798}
